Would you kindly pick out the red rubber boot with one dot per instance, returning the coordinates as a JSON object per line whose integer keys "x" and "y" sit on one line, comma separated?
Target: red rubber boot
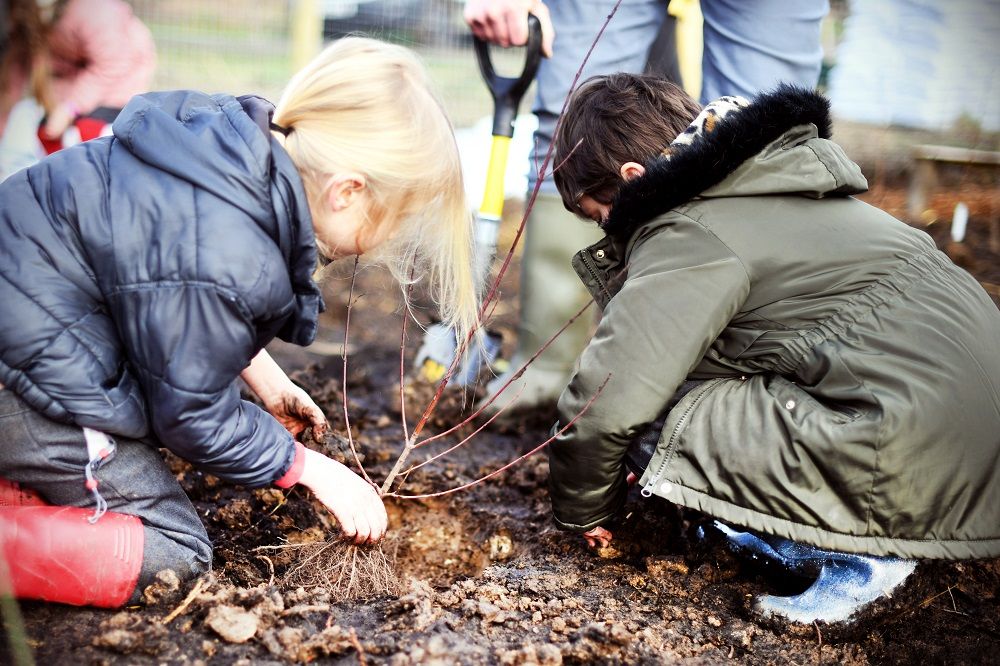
{"x": 12, "y": 494}
{"x": 54, "y": 553}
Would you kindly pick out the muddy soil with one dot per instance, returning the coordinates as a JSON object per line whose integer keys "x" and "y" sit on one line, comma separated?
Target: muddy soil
{"x": 484, "y": 577}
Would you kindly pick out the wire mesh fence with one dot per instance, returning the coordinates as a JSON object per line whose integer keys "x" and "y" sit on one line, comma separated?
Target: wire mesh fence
{"x": 244, "y": 46}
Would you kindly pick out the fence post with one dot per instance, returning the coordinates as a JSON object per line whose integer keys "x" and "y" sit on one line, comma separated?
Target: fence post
{"x": 306, "y": 28}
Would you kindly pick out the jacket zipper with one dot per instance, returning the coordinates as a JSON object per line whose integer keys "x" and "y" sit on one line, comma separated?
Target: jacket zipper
{"x": 647, "y": 489}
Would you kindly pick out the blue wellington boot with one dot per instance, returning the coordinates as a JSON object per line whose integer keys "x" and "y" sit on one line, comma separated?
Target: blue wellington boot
{"x": 845, "y": 583}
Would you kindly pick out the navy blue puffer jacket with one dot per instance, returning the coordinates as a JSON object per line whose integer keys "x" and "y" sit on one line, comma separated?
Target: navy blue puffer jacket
{"x": 140, "y": 274}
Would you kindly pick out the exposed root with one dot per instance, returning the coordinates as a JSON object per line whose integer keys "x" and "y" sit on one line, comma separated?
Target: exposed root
{"x": 184, "y": 604}
{"x": 347, "y": 571}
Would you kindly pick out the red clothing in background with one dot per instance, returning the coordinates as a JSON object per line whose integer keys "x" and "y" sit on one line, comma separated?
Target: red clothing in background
{"x": 101, "y": 54}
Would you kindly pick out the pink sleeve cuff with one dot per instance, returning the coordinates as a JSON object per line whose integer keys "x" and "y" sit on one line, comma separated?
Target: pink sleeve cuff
{"x": 294, "y": 472}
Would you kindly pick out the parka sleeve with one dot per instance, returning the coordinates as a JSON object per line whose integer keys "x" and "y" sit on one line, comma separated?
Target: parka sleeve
{"x": 188, "y": 343}
{"x": 683, "y": 287}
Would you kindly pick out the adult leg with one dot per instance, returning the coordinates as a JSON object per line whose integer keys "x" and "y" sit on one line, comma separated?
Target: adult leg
{"x": 550, "y": 291}
{"x": 50, "y": 459}
{"x": 752, "y": 45}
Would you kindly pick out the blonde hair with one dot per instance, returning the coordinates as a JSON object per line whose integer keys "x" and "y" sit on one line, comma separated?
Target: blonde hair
{"x": 367, "y": 106}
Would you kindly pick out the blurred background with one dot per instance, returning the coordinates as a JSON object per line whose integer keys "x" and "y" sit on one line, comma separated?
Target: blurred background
{"x": 246, "y": 45}
{"x": 914, "y": 84}
{"x": 899, "y": 72}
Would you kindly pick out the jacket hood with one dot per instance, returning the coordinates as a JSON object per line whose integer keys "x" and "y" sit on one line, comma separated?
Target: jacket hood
{"x": 221, "y": 144}
{"x": 776, "y": 144}
{"x": 207, "y": 140}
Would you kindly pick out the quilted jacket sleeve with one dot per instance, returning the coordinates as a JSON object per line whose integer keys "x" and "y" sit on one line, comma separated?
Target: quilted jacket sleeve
{"x": 683, "y": 287}
{"x": 188, "y": 342}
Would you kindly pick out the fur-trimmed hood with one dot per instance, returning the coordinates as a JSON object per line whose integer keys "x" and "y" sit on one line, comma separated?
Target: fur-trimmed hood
{"x": 776, "y": 144}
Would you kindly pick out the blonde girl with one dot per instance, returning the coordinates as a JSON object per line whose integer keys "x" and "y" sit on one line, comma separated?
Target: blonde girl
{"x": 141, "y": 274}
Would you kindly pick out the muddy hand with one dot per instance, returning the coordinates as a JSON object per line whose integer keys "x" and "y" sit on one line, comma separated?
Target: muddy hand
{"x": 296, "y": 411}
{"x": 285, "y": 401}
{"x": 353, "y": 501}
{"x": 598, "y": 537}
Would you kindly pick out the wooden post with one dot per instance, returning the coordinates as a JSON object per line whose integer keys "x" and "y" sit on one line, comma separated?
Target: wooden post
{"x": 306, "y": 32}
{"x": 925, "y": 176}
{"x": 923, "y": 180}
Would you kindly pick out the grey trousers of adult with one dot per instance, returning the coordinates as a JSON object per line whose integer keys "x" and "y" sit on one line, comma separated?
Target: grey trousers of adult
{"x": 749, "y": 47}
{"x": 49, "y": 458}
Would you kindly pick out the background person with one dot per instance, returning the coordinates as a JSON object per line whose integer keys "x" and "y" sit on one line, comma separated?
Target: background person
{"x": 63, "y": 62}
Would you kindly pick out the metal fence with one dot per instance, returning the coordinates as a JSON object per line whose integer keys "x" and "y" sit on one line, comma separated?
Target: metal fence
{"x": 243, "y": 46}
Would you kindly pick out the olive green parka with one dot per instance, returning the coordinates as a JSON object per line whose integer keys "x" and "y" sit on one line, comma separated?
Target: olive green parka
{"x": 852, "y": 373}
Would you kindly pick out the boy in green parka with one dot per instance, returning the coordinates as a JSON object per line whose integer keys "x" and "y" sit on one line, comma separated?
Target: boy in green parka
{"x": 781, "y": 355}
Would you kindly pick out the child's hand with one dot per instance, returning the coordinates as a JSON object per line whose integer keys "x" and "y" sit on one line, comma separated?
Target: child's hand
{"x": 294, "y": 409}
{"x": 354, "y": 502}
{"x": 286, "y": 402}
{"x": 598, "y": 537}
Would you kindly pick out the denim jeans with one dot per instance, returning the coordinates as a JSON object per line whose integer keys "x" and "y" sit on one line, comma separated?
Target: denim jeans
{"x": 50, "y": 458}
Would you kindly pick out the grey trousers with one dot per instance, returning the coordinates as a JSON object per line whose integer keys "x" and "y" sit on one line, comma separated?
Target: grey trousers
{"x": 749, "y": 47}
{"x": 50, "y": 457}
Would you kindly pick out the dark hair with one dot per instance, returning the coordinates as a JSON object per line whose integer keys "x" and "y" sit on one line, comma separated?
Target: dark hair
{"x": 611, "y": 120}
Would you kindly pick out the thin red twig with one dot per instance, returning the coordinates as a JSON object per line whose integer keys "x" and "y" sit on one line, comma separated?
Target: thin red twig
{"x": 489, "y": 401}
{"x": 464, "y": 441}
{"x": 489, "y": 304}
{"x": 491, "y": 295}
{"x": 402, "y": 381}
{"x": 568, "y": 155}
{"x": 530, "y": 453}
{"x": 542, "y": 172}
{"x": 343, "y": 356}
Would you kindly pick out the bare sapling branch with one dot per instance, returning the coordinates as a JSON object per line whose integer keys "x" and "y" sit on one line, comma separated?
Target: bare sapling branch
{"x": 493, "y": 290}
{"x": 489, "y": 301}
{"x": 503, "y": 388}
{"x": 410, "y": 442}
{"x": 530, "y": 453}
{"x": 461, "y": 443}
{"x": 542, "y": 170}
{"x": 408, "y": 447}
{"x": 343, "y": 356}
{"x": 402, "y": 359}
{"x": 567, "y": 156}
